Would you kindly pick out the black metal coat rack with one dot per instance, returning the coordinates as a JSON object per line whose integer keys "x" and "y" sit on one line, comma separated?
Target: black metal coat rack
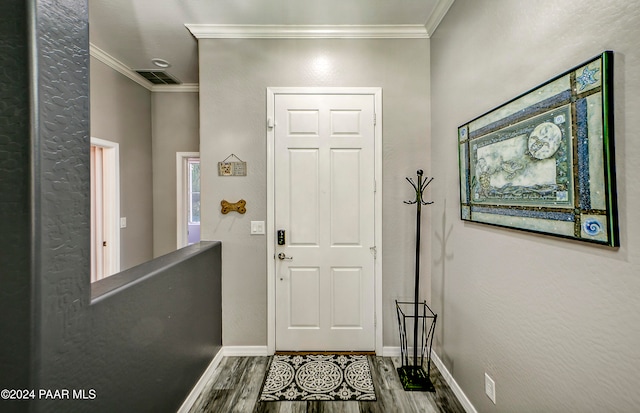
{"x": 419, "y": 188}
{"x": 414, "y": 377}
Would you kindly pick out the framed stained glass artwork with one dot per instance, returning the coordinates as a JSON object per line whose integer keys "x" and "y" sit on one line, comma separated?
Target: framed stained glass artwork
{"x": 544, "y": 161}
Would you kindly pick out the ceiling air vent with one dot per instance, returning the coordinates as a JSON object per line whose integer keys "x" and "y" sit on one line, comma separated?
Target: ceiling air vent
{"x": 158, "y": 77}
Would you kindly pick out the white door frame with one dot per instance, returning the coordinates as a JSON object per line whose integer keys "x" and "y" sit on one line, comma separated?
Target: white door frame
{"x": 182, "y": 178}
{"x": 376, "y": 92}
{"x": 111, "y": 188}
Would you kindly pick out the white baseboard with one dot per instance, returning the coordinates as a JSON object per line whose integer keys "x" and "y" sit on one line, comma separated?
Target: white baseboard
{"x": 202, "y": 382}
{"x": 446, "y": 375}
{"x": 226, "y": 351}
{"x": 390, "y": 351}
{"x": 395, "y": 351}
{"x": 245, "y": 351}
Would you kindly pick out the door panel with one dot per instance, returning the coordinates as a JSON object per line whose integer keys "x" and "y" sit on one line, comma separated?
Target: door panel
{"x": 346, "y": 303}
{"x": 345, "y": 122}
{"x": 345, "y": 201}
{"x": 303, "y": 122}
{"x": 324, "y": 200}
{"x": 304, "y": 207}
{"x": 304, "y": 297}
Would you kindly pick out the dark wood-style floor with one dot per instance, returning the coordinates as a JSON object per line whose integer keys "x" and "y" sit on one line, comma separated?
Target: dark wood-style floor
{"x": 235, "y": 387}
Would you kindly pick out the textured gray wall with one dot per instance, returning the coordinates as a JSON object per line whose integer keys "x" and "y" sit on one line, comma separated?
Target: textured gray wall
{"x": 234, "y": 76}
{"x": 142, "y": 347}
{"x": 60, "y": 185}
{"x": 121, "y": 112}
{"x": 175, "y": 129}
{"x": 15, "y": 283}
{"x": 556, "y": 323}
{"x": 151, "y": 341}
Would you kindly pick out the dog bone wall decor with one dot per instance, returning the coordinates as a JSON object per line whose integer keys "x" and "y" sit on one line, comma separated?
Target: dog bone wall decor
{"x": 238, "y": 206}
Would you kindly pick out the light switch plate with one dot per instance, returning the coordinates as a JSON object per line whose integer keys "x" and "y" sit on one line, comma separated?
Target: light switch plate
{"x": 490, "y": 388}
{"x": 123, "y": 222}
{"x": 257, "y": 227}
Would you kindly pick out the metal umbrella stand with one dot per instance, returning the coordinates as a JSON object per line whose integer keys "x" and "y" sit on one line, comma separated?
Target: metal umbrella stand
{"x": 417, "y": 314}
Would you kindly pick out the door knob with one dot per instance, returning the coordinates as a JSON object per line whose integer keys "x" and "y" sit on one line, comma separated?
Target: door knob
{"x": 281, "y": 257}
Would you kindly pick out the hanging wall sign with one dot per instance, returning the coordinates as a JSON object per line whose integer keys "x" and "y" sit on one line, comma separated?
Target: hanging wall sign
{"x": 232, "y": 168}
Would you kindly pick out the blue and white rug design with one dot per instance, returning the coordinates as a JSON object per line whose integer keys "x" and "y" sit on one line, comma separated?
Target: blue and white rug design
{"x": 318, "y": 377}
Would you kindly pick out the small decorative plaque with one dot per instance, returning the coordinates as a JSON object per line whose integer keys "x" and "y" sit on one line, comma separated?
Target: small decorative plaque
{"x": 232, "y": 168}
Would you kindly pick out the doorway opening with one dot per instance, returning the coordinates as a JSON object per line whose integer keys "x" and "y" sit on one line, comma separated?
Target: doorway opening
{"x": 105, "y": 208}
{"x": 188, "y": 198}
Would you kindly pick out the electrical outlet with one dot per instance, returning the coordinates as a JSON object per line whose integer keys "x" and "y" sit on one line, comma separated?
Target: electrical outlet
{"x": 490, "y": 387}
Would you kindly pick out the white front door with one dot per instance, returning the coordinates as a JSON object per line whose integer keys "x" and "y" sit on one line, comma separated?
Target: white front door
{"x": 324, "y": 184}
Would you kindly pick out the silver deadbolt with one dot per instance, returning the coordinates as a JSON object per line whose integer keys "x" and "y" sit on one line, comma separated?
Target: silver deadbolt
{"x": 281, "y": 257}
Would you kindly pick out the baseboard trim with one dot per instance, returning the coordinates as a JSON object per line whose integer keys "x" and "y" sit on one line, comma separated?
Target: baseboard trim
{"x": 462, "y": 398}
{"x": 226, "y": 351}
{"x": 390, "y": 351}
{"x": 446, "y": 375}
{"x": 202, "y": 382}
{"x": 395, "y": 351}
{"x": 245, "y": 351}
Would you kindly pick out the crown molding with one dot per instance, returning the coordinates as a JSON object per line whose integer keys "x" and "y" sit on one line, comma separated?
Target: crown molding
{"x": 244, "y": 31}
{"x": 118, "y": 66}
{"x": 185, "y": 88}
{"x": 438, "y": 14}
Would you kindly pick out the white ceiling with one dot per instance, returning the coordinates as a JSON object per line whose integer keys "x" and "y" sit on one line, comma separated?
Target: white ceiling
{"x": 135, "y": 31}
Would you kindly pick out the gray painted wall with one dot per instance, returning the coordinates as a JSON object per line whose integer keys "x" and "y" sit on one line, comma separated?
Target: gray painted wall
{"x": 121, "y": 112}
{"x": 234, "y": 76}
{"x": 154, "y": 330}
{"x": 150, "y": 332}
{"x": 175, "y": 128}
{"x": 15, "y": 283}
{"x": 556, "y": 323}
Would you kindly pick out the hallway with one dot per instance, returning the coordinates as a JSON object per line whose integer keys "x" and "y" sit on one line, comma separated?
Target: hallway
{"x": 236, "y": 385}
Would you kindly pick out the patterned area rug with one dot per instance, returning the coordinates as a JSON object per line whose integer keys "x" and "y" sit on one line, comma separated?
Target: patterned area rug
{"x": 318, "y": 377}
